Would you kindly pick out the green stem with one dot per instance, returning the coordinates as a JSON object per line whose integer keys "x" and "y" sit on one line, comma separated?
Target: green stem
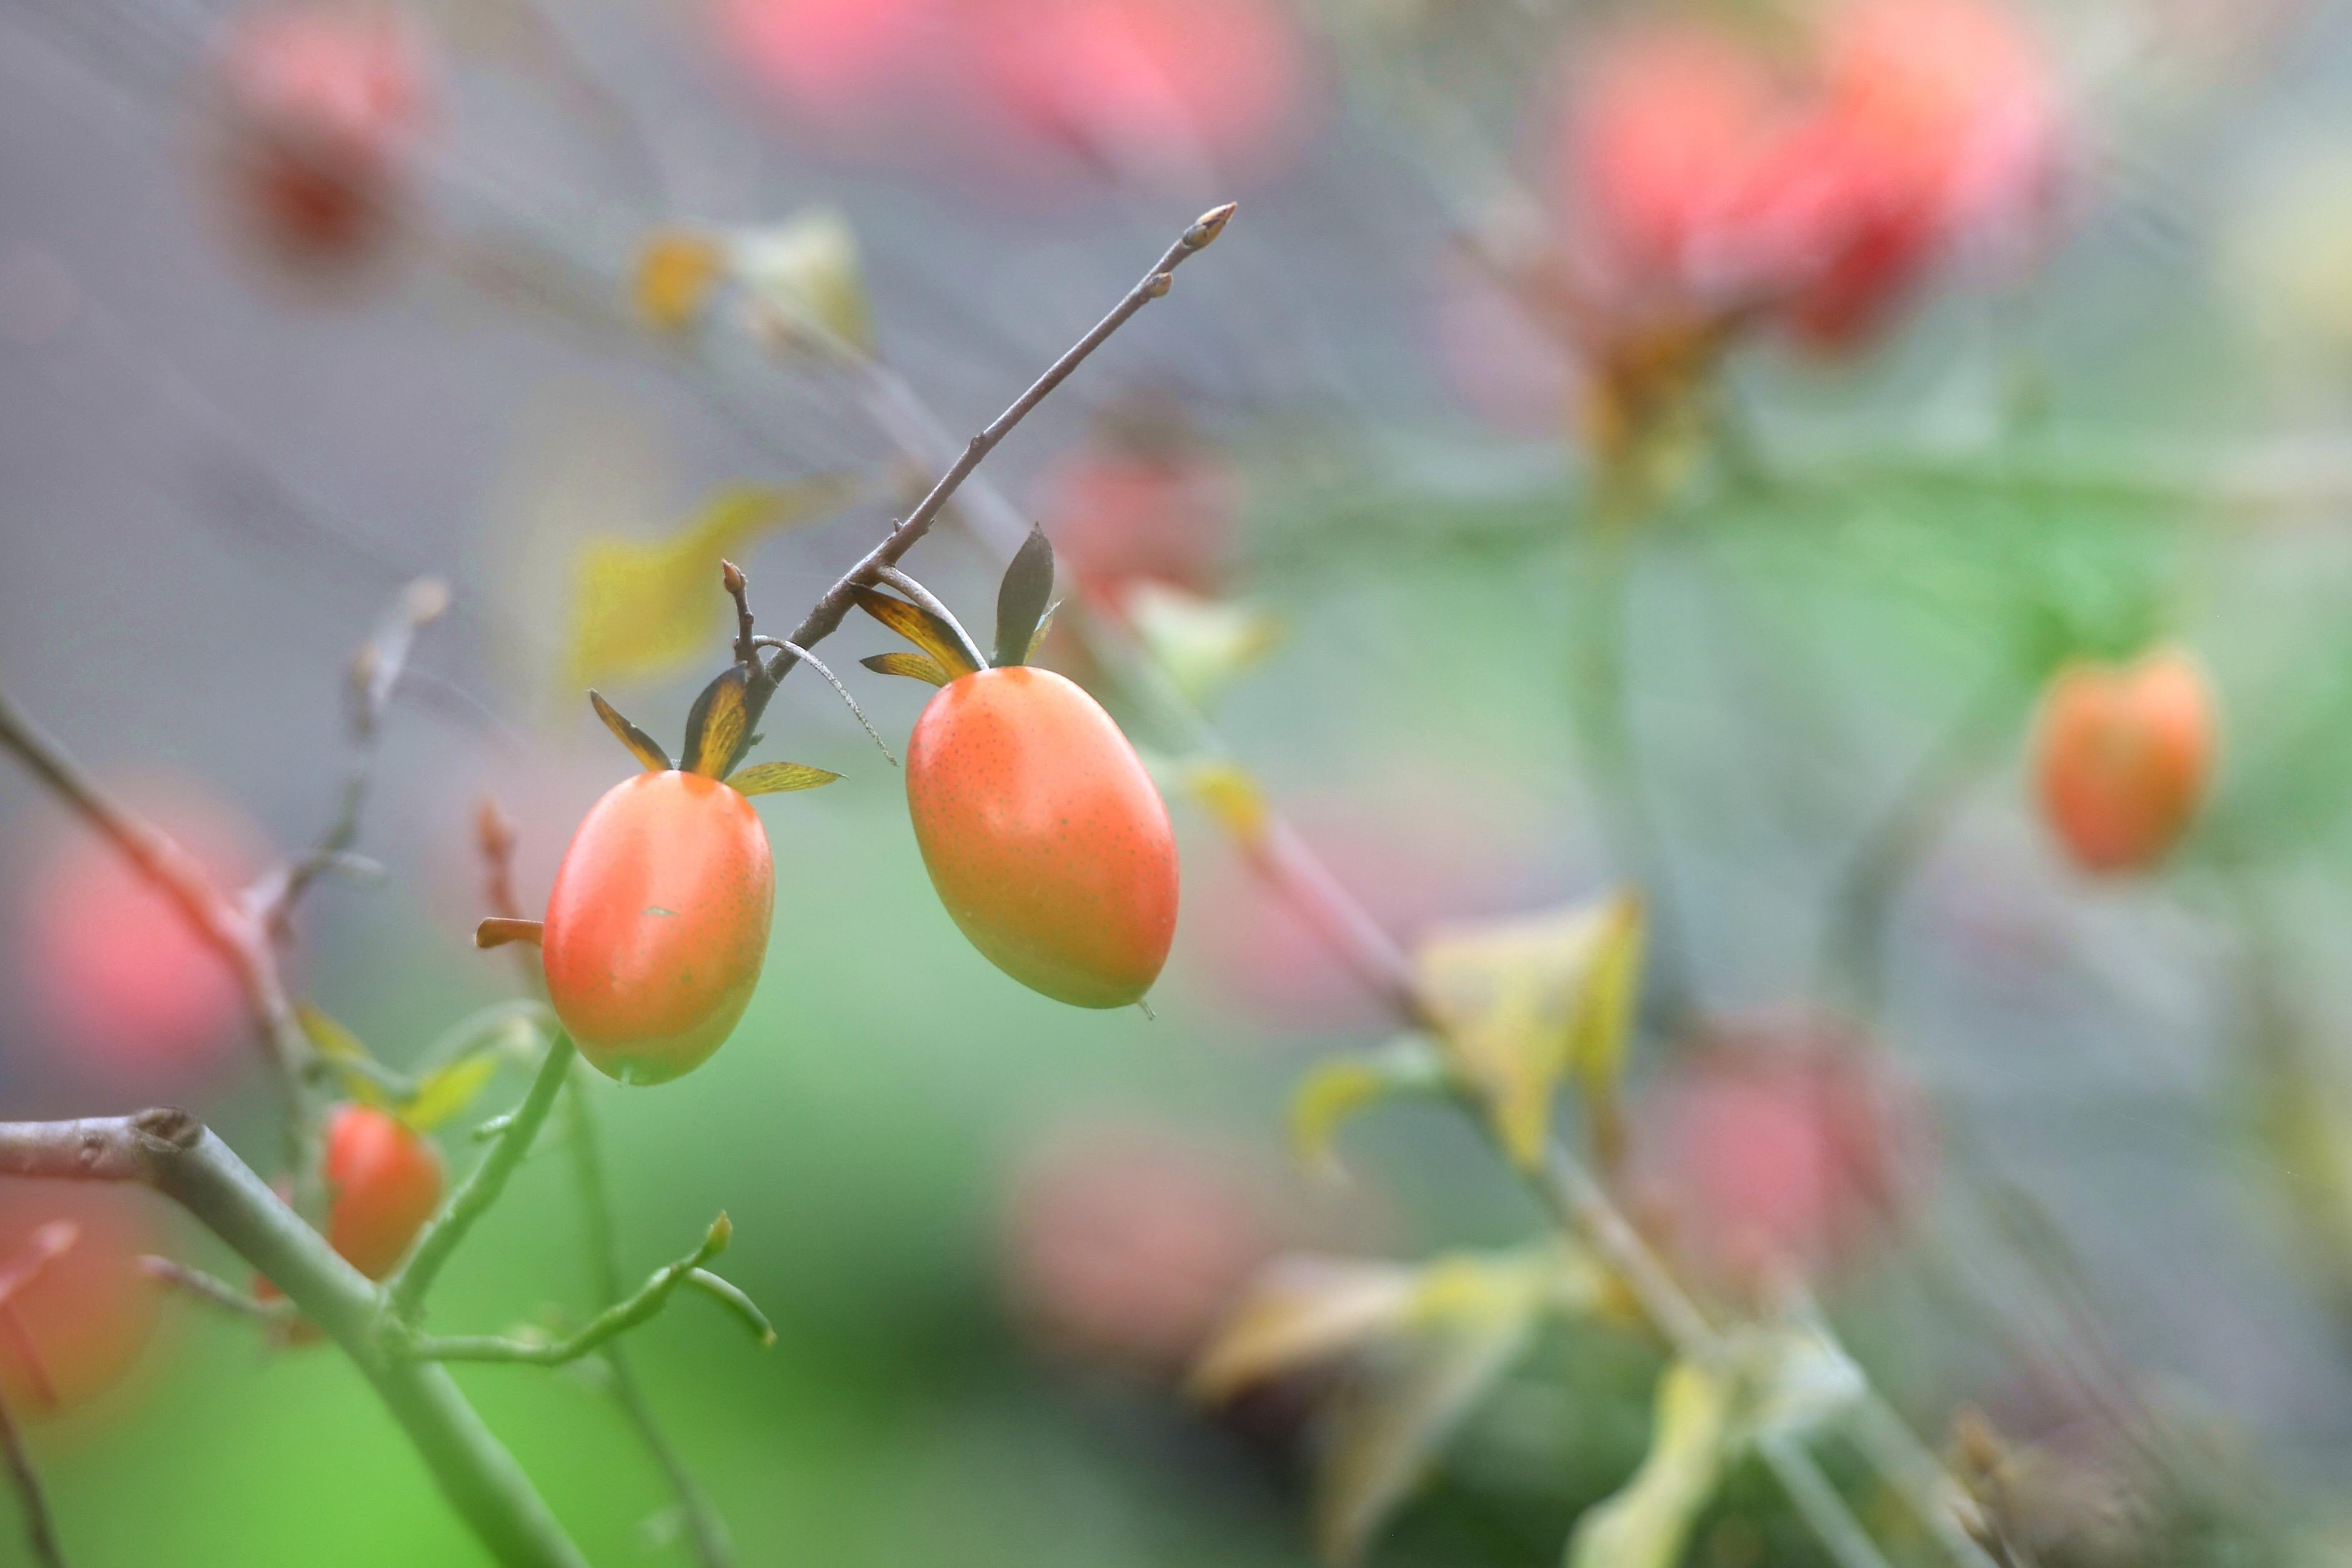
{"x": 404, "y": 1295}
{"x": 176, "y": 1154}
{"x": 705, "y": 1530}
{"x": 613, "y": 1321}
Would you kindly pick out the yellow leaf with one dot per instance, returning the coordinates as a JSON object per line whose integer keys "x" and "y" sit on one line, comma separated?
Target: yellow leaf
{"x": 642, "y": 746}
{"x": 1302, "y": 1310}
{"x": 449, "y": 1089}
{"x": 1512, "y": 999}
{"x": 343, "y": 1051}
{"x": 1471, "y": 1318}
{"x": 921, "y": 627}
{"x": 676, "y": 271}
{"x": 642, "y": 608}
{"x": 1202, "y": 644}
{"x": 1647, "y": 1522}
{"x": 775, "y": 778}
{"x": 1232, "y": 797}
{"x": 1335, "y": 1091}
{"x": 914, "y": 665}
{"x": 808, "y": 289}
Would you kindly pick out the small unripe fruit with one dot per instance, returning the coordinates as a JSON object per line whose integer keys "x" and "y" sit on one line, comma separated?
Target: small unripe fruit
{"x": 2123, "y": 754}
{"x": 658, "y": 923}
{"x": 1043, "y": 834}
{"x": 384, "y": 1181}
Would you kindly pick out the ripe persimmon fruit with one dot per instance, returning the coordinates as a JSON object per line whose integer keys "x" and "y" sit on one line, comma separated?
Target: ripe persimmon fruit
{"x": 1041, "y": 832}
{"x": 384, "y": 1181}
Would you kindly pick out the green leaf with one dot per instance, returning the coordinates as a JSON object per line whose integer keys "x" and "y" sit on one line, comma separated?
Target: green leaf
{"x": 355, "y": 1069}
{"x": 642, "y": 746}
{"x": 1202, "y": 644}
{"x": 449, "y": 1089}
{"x": 919, "y": 627}
{"x": 1647, "y": 1522}
{"x": 1022, "y": 597}
{"x": 1339, "y": 1089}
{"x": 775, "y": 778}
{"x": 914, "y": 665}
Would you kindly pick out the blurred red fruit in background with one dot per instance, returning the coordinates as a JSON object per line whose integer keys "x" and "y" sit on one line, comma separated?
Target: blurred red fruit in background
{"x": 1185, "y": 92}
{"x": 2123, "y": 756}
{"x": 385, "y": 1182}
{"x": 1941, "y": 124}
{"x": 1781, "y": 1143}
{"x": 76, "y": 1325}
{"x": 322, "y": 103}
{"x": 835, "y": 61}
{"x": 121, "y": 988}
{"x": 1705, "y": 174}
{"x": 1147, "y": 500}
{"x": 1124, "y": 1243}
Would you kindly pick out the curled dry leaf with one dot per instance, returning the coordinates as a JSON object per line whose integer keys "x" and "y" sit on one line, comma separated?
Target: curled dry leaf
{"x": 1337, "y": 1090}
{"x": 1521, "y": 1003}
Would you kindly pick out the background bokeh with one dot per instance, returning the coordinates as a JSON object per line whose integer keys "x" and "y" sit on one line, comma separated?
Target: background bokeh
{"x": 216, "y": 465}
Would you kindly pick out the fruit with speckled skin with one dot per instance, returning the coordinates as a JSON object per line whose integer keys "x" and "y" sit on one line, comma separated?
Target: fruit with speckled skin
{"x": 2124, "y": 755}
{"x": 385, "y": 1182}
{"x": 1043, "y": 834}
{"x": 657, "y": 924}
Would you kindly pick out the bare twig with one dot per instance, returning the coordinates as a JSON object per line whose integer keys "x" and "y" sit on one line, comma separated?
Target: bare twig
{"x": 212, "y": 1292}
{"x": 826, "y": 613}
{"x": 618, "y": 1319}
{"x": 375, "y": 673}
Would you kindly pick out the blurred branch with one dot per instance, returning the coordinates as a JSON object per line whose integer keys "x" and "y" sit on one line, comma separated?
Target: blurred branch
{"x": 218, "y": 920}
{"x": 40, "y": 1530}
{"x": 1853, "y": 943}
{"x": 214, "y": 1293}
{"x": 608, "y": 1325}
{"x": 375, "y": 673}
{"x": 179, "y": 1157}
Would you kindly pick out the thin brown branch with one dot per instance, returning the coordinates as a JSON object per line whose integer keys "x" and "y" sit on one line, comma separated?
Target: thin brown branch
{"x": 826, "y": 614}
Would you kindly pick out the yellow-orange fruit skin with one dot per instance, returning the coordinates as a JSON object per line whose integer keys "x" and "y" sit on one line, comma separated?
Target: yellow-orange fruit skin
{"x": 2124, "y": 756}
{"x": 1043, "y": 834}
{"x": 657, "y": 924}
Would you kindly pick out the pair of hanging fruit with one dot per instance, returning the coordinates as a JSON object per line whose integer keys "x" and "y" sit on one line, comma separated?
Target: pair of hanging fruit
{"x": 1041, "y": 832}
{"x": 1040, "y": 827}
